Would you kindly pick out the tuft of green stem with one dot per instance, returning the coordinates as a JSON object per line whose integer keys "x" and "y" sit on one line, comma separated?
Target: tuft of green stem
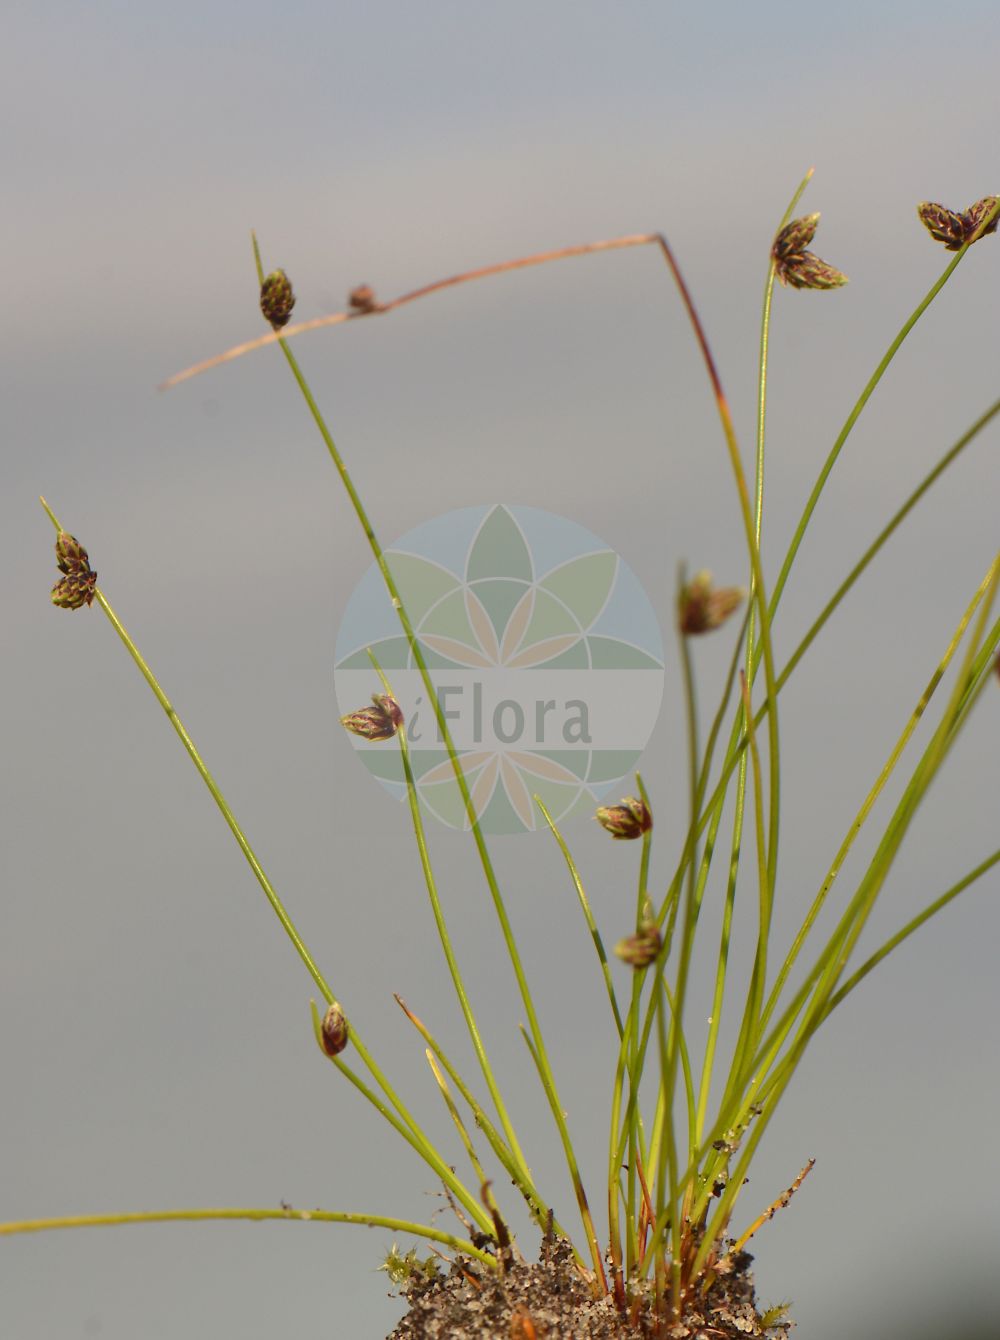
{"x": 668, "y": 1211}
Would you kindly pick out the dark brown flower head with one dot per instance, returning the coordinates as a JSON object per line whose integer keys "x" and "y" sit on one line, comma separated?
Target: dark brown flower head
{"x": 640, "y": 950}
{"x": 797, "y": 267}
{"x": 977, "y": 214}
{"x": 953, "y": 229}
{"x": 78, "y": 586}
{"x": 74, "y": 590}
{"x": 70, "y": 554}
{"x": 277, "y": 299}
{"x": 381, "y": 721}
{"x": 334, "y": 1031}
{"x": 944, "y": 225}
{"x": 362, "y": 299}
{"x": 702, "y": 609}
{"x": 808, "y": 271}
{"x": 628, "y": 820}
{"x": 795, "y": 237}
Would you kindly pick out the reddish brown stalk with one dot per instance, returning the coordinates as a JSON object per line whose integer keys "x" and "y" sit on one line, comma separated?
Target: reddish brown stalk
{"x": 647, "y": 1217}
{"x": 483, "y": 272}
{"x": 469, "y": 1277}
{"x": 380, "y": 308}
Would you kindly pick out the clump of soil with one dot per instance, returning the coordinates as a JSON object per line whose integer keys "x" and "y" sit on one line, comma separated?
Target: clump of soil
{"x": 549, "y": 1300}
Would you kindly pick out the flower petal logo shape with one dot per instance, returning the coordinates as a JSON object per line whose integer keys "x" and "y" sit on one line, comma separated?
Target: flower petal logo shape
{"x": 546, "y": 657}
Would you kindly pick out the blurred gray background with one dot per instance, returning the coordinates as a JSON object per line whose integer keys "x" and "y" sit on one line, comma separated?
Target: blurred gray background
{"x": 154, "y": 1029}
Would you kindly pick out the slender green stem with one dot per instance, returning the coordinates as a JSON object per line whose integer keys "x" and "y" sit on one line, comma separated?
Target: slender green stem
{"x": 212, "y": 785}
{"x": 883, "y": 536}
{"x": 671, "y": 902}
{"x": 540, "y": 1211}
{"x": 719, "y": 718}
{"x": 744, "y": 721}
{"x": 663, "y": 1147}
{"x": 442, "y": 928}
{"x": 844, "y": 937}
{"x": 768, "y": 1077}
{"x": 663, "y": 1127}
{"x": 636, "y": 1141}
{"x": 419, "y": 660}
{"x": 967, "y": 686}
{"x": 832, "y": 960}
{"x": 718, "y": 996}
{"x": 667, "y": 1159}
{"x": 749, "y": 526}
{"x": 633, "y": 1132}
{"x": 570, "y": 1156}
{"x": 765, "y": 336}
{"x": 668, "y": 1189}
{"x": 814, "y": 498}
{"x": 768, "y": 1100}
{"x": 719, "y": 1222}
{"x": 692, "y": 903}
{"x": 616, "y": 1152}
{"x": 711, "y": 812}
{"x": 849, "y": 423}
{"x": 456, "y": 1117}
{"x": 715, "y": 1019}
{"x": 758, "y": 976}
{"x": 729, "y": 432}
{"x": 765, "y": 333}
{"x": 254, "y": 1216}
{"x": 913, "y": 925}
{"x": 738, "y": 737}
{"x": 666, "y": 1150}
{"x": 416, "y": 1137}
{"x": 581, "y": 894}
{"x": 406, "y": 1126}
{"x": 259, "y": 264}
{"x": 642, "y": 892}
{"x": 876, "y": 790}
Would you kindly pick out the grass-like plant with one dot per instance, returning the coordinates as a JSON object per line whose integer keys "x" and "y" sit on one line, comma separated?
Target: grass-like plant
{"x": 658, "y": 1253}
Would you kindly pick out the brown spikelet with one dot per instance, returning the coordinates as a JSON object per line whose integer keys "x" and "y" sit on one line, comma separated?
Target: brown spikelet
{"x": 70, "y": 554}
{"x": 796, "y": 267}
{"x": 277, "y": 299}
{"x": 701, "y": 608}
{"x": 808, "y": 271}
{"x": 795, "y": 237}
{"x": 362, "y": 299}
{"x": 976, "y": 215}
{"x": 381, "y": 721}
{"x": 954, "y": 230}
{"x": 640, "y": 950}
{"x": 334, "y": 1031}
{"x": 77, "y": 587}
{"x": 628, "y": 820}
{"x": 944, "y": 225}
{"x": 74, "y": 590}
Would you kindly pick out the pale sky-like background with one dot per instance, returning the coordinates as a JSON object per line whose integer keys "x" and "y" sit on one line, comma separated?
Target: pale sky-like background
{"x": 154, "y": 1030}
